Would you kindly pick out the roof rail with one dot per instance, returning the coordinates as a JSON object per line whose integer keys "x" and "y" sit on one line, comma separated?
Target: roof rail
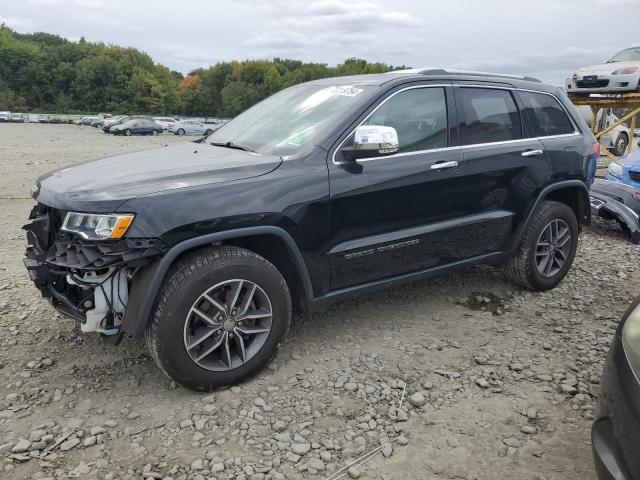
{"x": 472, "y": 73}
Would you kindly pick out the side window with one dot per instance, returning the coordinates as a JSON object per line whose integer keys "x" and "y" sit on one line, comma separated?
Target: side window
{"x": 489, "y": 116}
{"x": 419, "y": 115}
{"x": 545, "y": 115}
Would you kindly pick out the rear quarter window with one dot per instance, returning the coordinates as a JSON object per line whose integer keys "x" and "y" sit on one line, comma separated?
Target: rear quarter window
{"x": 489, "y": 116}
{"x": 545, "y": 115}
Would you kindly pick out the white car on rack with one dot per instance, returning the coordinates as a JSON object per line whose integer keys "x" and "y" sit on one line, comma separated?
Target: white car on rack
{"x": 620, "y": 74}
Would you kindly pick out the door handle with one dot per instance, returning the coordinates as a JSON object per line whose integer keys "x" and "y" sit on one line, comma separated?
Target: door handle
{"x": 531, "y": 153}
{"x": 441, "y": 165}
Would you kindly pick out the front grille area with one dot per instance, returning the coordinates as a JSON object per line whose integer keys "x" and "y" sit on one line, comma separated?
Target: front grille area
{"x": 635, "y": 176}
{"x": 592, "y": 84}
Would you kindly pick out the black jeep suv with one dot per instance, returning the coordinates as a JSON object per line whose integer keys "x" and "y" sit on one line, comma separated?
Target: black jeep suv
{"x": 326, "y": 189}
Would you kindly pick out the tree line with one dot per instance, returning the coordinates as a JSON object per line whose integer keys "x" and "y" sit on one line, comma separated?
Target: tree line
{"x": 48, "y": 73}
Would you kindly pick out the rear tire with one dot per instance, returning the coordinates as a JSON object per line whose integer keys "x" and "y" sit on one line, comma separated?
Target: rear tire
{"x": 178, "y": 327}
{"x": 208, "y": 132}
{"x": 527, "y": 267}
{"x": 128, "y": 132}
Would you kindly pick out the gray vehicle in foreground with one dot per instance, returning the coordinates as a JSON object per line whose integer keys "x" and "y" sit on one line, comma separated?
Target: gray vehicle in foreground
{"x": 185, "y": 127}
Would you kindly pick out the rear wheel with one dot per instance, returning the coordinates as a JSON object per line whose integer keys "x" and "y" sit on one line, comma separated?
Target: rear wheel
{"x": 547, "y": 248}
{"x": 128, "y": 132}
{"x": 219, "y": 319}
{"x": 208, "y": 132}
{"x": 156, "y": 132}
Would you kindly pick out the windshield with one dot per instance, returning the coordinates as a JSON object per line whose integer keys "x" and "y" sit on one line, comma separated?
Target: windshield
{"x": 628, "y": 55}
{"x": 290, "y": 119}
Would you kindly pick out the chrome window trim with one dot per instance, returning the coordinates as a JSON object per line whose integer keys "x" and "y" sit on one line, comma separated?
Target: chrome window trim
{"x": 576, "y": 131}
{"x": 403, "y": 154}
{"x": 412, "y": 87}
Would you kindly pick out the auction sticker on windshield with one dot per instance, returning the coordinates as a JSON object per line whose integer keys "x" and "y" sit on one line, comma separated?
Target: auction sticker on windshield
{"x": 346, "y": 91}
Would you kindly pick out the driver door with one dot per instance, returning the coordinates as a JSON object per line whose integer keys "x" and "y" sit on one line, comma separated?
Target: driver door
{"x": 397, "y": 214}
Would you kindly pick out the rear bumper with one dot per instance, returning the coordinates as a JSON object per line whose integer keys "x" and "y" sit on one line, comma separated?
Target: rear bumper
{"x": 615, "y": 433}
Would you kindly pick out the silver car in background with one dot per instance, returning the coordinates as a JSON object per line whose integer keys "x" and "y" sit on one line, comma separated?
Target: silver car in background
{"x": 165, "y": 121}
{"x": 185, "y": 127}
{"x": 620, "y": 74}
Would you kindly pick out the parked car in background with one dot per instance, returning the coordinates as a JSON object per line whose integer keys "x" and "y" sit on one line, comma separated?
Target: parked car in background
{"x": 17, "y": 117}
{"x": 107, "y": 128}
{"x": 5, "y": 116}
{"x": 82, "y": 121}
{"x": 619, "y": 74}
{"x": 617, "y": 139}
{"x": 98, "y": 123}
{"x": 625, "y": 169}
{"x": 141, "y": 126}
{"x": 165, "y": 121}
{"x": 187, "y": 127}
{"x": 326, "y": 189}
{"x": 615, "y": 433}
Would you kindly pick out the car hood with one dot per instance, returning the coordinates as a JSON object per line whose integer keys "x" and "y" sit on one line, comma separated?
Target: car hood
{"x": 606, "y": 68}
{"x": 102, "y": 185}
{"x": 631, "y": 161}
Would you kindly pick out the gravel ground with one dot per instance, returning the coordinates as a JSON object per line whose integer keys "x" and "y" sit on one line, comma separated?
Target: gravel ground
{"x": 462, "y": 377}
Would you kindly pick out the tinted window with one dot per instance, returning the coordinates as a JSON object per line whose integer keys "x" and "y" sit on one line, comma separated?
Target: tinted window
{"x": 545, "y": 115}
{"x": 489, "y": 116}
{"x": 419, "y": 116}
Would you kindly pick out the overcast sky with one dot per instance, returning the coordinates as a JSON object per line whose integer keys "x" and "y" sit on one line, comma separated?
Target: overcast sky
{"x": 545, "y": 38}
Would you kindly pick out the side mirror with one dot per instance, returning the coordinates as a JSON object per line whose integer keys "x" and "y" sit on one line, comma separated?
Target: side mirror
{"x": 372, "y": 141}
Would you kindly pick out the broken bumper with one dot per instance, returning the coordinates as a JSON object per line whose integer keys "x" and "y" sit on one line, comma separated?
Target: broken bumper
{"x": 617, "y": 201}
{"x": 84, "y": 280}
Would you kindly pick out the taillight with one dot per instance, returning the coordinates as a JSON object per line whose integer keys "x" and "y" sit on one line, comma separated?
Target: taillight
{"x": 593, "y": 164}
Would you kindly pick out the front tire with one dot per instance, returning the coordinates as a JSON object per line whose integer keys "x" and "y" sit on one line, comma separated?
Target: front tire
{"x": 181, "y": 131}
{"x": 219, "y": 319}
{"x": 128, "y": 132}
{"x": 547, "y": 248}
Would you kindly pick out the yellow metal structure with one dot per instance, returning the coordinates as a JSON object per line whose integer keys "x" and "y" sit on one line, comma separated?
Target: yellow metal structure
{"x": 630, "y": 101}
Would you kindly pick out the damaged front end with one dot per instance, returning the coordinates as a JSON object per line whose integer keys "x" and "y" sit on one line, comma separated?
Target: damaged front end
{"x": 617, "y": 201}
{"x": 87, "y": 280}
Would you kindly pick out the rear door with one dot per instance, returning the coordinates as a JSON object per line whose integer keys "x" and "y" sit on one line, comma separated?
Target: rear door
{"x": 503, "y": 168}
{"x": 549, "y": 122}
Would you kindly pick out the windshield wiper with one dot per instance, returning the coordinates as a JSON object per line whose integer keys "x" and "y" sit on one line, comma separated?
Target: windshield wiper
{"x": 232, "y": 145}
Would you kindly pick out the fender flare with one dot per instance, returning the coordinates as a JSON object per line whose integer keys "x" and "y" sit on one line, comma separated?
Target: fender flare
{"x": 543, "y": 195}
{"x": 148, "y": 282}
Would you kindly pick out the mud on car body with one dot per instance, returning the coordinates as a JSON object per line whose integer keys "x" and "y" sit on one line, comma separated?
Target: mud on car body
{"x": 325, "y": 190}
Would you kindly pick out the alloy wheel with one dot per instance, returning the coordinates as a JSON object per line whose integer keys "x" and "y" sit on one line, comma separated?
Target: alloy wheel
{"x": 228, "y": 325}
{"x": 553, "y": 247}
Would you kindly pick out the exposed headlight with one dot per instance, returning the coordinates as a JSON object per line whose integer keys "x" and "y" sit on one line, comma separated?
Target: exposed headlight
{"x": 615, "y": 169}
{"x": 625, "y": 71}
{"x": 96, "y": 226}
{"x": 631, "y": 339}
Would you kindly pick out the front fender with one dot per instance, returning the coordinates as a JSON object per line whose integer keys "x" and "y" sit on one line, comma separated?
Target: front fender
{"x": 148, "y": 281}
